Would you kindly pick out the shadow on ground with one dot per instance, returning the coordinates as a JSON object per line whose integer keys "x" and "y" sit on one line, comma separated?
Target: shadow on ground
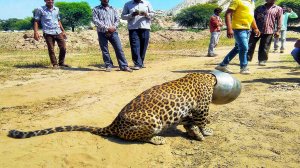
{"x": 274, "y": 81}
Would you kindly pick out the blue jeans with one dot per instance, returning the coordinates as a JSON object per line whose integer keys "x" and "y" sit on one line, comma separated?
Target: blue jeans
{"x": 241, "y": 47}
{"x": 296, "y": 54}
{"x": 139, "y": 40}
{"x": 214, "y": 40}
{"x": 116, "y": 43}
{"x": 282, "y": 40}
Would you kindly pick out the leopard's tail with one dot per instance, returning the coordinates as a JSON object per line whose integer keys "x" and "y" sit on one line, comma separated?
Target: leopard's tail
{"x": 94, "y": 130}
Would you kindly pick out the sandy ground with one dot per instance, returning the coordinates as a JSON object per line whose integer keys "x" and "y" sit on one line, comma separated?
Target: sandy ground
{"x": 259, "y": 129}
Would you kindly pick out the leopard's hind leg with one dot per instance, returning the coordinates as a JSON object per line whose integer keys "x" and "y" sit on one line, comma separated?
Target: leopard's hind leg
{"x": 140, "y": 130}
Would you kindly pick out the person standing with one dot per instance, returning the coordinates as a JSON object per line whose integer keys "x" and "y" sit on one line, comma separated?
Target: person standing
{"x": 287, "y": 13}
{"x": 138, "y": 14}
{"x": 239, "y": 18}
{"x": 53, "y": 30}
{"x": 265, "y": 16}
{"x": 106, "y": 19}
{"x": 215, "y": 25}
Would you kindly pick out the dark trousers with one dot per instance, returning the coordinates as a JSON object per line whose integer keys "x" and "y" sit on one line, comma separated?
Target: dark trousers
{"x": 50, "y": 40}
{"x": 116, "y": 43}
{"x": 139, "y": 40}
{"x": 264, "y": 46}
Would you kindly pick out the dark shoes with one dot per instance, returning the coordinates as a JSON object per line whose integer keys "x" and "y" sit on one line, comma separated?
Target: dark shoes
{"x": 108, "y": 69}
{"x": 136, "y": 68}
{"x": 55, "y": 66}
{"x": 212, "y": 55}
{"x": 126, "y": 69}
{"x": 64, "y": 65}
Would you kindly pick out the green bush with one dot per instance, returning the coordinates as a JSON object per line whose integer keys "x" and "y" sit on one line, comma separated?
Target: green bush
{"x": 197, "y": 16}
{"x": 156, "y": 27}
{"x": 16, "y": 24}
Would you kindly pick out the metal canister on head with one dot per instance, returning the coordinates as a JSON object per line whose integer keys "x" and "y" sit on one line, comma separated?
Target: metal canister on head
{"x": 227, "y": 89}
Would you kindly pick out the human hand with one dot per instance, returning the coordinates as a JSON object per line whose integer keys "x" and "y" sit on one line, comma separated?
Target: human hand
{"x": 276, "y": 35}
{"x": 144, "y": 14}
{"x": 229, "y": 33}
{"x": 111, "y": 29}
{"x": 257, "y": 32}
{"x": 134, "y": 14}
{"x": 36, "y": 36}
{"x": 64, "y": 35}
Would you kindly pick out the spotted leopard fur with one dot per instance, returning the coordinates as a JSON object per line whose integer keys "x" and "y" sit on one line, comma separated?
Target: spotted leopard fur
{"x": 182, "y": 101}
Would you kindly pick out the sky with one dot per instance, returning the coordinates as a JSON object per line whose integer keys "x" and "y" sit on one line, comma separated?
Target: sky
{"x": 23, "y": 8}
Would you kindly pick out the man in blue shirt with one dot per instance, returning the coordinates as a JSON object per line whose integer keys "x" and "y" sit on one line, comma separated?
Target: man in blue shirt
{"x": 106, "y": 19}
{"x": 53, "y": 31}
{"x": 138, "y": 13}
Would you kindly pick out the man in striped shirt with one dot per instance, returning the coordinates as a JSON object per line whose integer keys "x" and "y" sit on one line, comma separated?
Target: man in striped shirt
{"x": 106, "y": 19}
{"x": 266, "y": 17}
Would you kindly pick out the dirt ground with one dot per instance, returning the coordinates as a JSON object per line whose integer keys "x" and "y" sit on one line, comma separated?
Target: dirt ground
{"x": 261, "y": 128}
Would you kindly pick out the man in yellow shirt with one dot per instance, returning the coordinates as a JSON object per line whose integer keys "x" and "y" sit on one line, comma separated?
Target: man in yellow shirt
{"x": 239, "y": 19}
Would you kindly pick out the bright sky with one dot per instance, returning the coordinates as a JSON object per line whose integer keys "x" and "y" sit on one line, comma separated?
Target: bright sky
{"x": 23, "y": 8}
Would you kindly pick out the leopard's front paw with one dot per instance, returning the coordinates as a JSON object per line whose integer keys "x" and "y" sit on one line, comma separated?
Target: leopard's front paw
{"x": 206, "y": 131}
{"x": 157, "y": 140}
{"x": 195, "y": 133}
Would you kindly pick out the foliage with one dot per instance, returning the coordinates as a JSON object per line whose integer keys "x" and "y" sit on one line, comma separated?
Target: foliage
{"x": 196, "y": 16}
{"x": 156, "y": 27}
{"x": 294, "y": 5}
{"x": 16, "y": 24}
{"x": 74, "y": 14}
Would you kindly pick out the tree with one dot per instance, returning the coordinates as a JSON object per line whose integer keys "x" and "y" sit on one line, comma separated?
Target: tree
{"x": 23, "y": 24}
{"x": 74, "y": 14}
{"x": 9, "y": 24}
{"x": 196, "y": 16}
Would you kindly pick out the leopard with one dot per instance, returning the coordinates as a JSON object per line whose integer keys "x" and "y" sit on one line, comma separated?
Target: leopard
{"x": 184, "y": 101}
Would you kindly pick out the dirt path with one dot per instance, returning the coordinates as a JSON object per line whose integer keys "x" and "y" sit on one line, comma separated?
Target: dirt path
{"x": 260, "y": 129}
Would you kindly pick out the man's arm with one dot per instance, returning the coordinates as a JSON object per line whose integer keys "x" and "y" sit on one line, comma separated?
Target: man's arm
{"x": 126, "y": 15}
{"x": 293, "y": 15}
{"x": 36, "y": 34}
{"x": 228, "y": 16}
{"x": 255, "y": 28}
{"x": 62, "y": 29}
{"x": 279, "y": 20}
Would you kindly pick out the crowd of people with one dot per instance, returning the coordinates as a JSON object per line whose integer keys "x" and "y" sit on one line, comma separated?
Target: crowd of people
{"x": 138, "y": 14}
{"x": 249, "y": 25}
{"x": 244, "y": 23}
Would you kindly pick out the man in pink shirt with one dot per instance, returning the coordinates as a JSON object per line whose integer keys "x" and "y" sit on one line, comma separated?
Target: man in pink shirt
{"x": 265, "y": 16}
{"x": 215, "y": 25}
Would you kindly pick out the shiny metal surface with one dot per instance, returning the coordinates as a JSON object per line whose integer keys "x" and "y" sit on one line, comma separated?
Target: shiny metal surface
{"x": 227, "y": 89}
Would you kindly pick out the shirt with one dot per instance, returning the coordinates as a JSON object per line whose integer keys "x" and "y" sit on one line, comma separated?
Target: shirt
{"x": 286, "y": 17}
{"x": 243, "y": 14}
{"x": 267, "y": 18}
{"x": 138, "y": 22}
{"x": 214, "y": 23}
{"x": 49, "y": 19}
{"x": 105, "y": 17}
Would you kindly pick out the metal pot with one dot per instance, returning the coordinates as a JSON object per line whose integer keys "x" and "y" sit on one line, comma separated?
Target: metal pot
{"x": 227, "y": 89}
